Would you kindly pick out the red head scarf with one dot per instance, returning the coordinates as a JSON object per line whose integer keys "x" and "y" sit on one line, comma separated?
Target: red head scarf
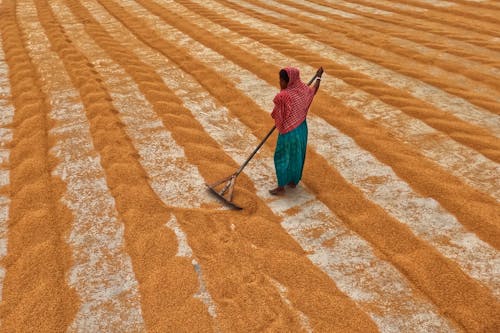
{"x": 292, "y": 103}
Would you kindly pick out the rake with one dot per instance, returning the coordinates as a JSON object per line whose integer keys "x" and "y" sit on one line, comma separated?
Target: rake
{"x": 227, "y": 184}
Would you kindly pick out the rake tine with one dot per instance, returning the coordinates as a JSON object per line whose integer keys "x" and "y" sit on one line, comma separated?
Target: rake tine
{"x": 226, "y": 187}
{"x": 231, "y": 189}
{"x": 229, "y": 186}
{"x": 220, "y": 181}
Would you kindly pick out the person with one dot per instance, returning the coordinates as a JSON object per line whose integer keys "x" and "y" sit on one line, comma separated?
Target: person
{"x": 291, "y": 105}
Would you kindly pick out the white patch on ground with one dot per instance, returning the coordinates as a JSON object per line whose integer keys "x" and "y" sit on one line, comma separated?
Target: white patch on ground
{"x": 6, "y": 117}
{"x": 438, "y": 3}
{"x": 102, "y": 273}
{"x": 261, "y": 10}
{"x": 395, "y": 5}
{"x": 174, "y": 180}
{"x": 475, "y": 169}
{"x": 424, "y": 216}
{"x": 303, "y": 319}
{"x": 358, "y": 7}
{"x": 237, "y": 140}
{"x": 307, "y": 14}
{"x": 184, "y": 250}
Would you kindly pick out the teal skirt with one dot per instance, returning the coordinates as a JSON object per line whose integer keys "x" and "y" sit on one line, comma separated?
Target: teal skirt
{"x": 290, "y": 155}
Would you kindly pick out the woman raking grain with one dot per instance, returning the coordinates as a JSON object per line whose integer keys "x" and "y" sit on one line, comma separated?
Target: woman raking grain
{"x": 291, "y": 105}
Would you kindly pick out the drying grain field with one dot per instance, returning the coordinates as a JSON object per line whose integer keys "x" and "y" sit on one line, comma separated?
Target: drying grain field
{"x": 113, "y": 114}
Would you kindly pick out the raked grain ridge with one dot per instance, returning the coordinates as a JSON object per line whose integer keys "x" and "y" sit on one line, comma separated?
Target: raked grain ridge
{"x": 113, "y": 115}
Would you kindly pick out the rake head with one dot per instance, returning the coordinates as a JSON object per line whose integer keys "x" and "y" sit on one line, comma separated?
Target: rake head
{"x": 223, "y": 189}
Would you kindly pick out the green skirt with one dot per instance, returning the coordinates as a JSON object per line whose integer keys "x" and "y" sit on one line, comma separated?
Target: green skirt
{"x": 290, "y": 155}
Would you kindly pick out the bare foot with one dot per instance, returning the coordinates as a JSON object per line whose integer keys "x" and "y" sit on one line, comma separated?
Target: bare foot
{"x": 292, "y": 184}
{"x": 280, "y": 190}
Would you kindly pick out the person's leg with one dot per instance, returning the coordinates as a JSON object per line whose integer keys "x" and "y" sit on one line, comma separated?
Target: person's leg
{"x": 281, "y": 162}
{"x": 303, "y": 148}
{"x": 280, "y": 190}
{"x": 298, "y": 154}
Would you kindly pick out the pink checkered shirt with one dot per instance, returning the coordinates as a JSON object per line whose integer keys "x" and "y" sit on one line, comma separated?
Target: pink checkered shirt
{"x": 291, "y": 104}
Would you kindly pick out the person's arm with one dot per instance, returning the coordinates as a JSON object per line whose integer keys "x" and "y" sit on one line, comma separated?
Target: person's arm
{"x": 317, "y": 81}
{"x": 278, "y": 110}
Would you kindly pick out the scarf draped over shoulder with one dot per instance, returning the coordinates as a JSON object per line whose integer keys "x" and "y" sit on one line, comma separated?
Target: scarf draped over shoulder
{"x": 292, "y": 104}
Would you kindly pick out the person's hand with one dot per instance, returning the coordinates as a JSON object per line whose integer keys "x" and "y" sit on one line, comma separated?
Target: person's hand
{"x": 319, "y": 72}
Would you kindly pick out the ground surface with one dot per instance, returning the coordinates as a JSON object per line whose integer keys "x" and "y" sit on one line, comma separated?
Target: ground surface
{"x": 114, "y": 114}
